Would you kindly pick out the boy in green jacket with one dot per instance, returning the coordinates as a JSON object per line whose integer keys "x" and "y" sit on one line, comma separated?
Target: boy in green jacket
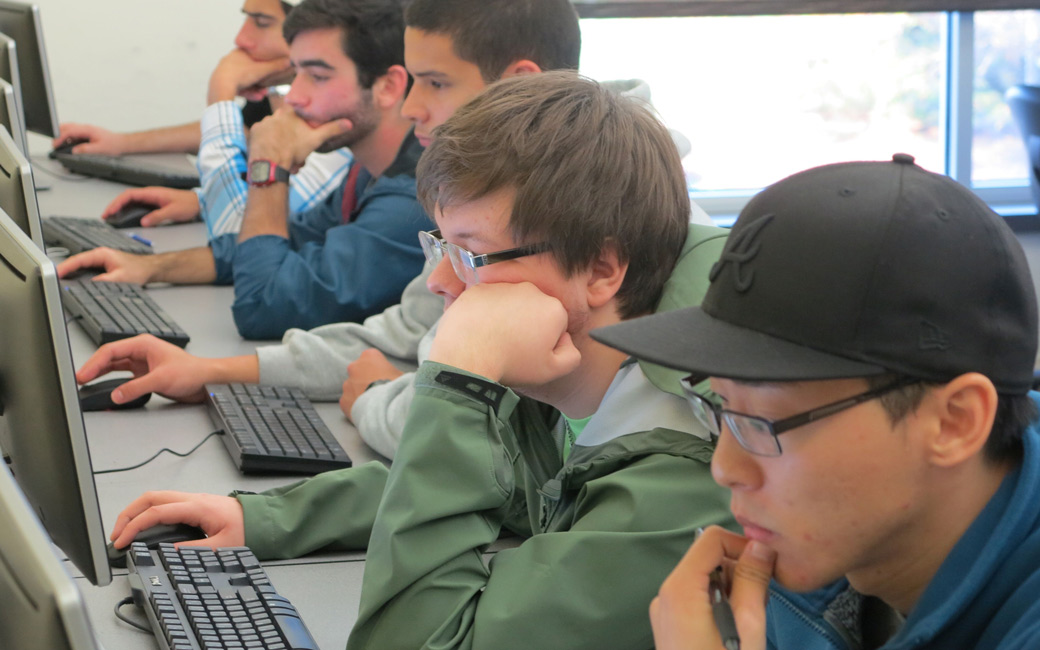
{"x": 562, "y": 208}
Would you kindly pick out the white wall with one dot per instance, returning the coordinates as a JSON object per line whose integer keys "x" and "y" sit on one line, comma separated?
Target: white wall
{"x": 134, "y": 64}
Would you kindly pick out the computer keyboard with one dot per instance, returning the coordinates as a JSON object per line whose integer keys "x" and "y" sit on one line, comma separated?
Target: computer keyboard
{"x": 201, "y": 599}
{"x": 109, "y": 311}
{"x": 132, "y": 170}
{"x": 273, "y": 429}
{"x": 78, "y": 235}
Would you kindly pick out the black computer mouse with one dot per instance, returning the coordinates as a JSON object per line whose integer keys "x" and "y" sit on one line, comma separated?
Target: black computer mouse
{"x": 66, "y": 147}
{"x": 152, "y": 537}
{"x": 98, "y": 396}
{"x": 129, "y": 216}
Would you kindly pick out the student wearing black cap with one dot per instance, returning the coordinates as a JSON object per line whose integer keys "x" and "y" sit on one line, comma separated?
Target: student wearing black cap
{"x": 870, "y": 334}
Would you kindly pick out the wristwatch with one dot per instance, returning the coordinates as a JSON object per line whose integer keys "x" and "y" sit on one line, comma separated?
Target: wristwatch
{"x": 264, "y": 172}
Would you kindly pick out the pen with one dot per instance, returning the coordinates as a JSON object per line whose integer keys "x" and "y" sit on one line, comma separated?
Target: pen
{"x": 720, "y": 608}
{"x": 139, "y": 238}
{"x": 722, "y": 612}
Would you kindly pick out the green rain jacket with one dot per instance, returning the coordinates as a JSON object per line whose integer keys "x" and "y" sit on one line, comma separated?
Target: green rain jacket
{"x": 602, "y": 529}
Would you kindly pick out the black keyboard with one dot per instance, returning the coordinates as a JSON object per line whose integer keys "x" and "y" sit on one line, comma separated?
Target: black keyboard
{"x": 201, "y": 599}
{"x": 273, "y": 429}
{"x": 109, "y": 311}
{"x": 78, "y": 235}
{"x": 134, "y": 170}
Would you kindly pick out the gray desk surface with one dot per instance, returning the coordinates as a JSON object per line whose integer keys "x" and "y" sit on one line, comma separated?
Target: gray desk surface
{"x": 325, "y": 589}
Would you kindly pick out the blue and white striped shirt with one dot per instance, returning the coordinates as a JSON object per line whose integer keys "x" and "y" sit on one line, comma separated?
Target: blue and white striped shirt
{"x": 223, "y": 153}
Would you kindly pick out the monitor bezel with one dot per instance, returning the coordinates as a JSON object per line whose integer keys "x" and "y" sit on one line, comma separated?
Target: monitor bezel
{"x": 17, "y": 169}
{"x": 11, "y": 79}
{"x": 54, "y": 614}
{"x": 80, "y": 535}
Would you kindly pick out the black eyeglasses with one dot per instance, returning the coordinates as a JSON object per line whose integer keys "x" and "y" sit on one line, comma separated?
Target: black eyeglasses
{"x": 759, "y": 435}
{"x": 466, "y": 263}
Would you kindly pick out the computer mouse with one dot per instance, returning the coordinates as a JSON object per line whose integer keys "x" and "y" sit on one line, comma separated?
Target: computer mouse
{"x": 129, "y": 216}
{"x": 152, "y": 537}
{"x": 66, "y": 147}
{"x": 98, "y": 396}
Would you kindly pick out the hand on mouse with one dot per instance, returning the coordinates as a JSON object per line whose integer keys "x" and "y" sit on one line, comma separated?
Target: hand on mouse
{"x": 171, "y": 206}
{"x": 165, "y": 369}
{"x": 99, "y": 141}
{"x": 219, "y": 516}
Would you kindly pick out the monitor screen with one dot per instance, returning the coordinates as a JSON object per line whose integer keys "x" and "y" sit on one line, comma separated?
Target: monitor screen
{"x": 42, "y": 608}
{"x": 41, "y": 426}
{"x": 21, "y": 21}
{"x": 17, "y": 193}
{"x": 12, "y": 115}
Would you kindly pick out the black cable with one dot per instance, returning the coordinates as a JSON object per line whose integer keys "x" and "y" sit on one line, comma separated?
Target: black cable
{"x": 164, "y": 449}
{"x": 126, "y": 619}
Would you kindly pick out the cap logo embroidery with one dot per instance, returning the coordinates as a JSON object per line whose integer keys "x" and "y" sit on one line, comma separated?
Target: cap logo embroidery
{"x": 932, "y": 338}
{"x": 740, "y": 250}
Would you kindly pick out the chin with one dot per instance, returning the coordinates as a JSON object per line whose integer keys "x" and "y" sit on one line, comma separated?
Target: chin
{"x": 332, "y": 144}
{"x": 801, "y": 578}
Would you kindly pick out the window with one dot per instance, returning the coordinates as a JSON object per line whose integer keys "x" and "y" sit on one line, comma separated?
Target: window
{"x": 1007, "y": 47}
{"x": 762, "y": 97}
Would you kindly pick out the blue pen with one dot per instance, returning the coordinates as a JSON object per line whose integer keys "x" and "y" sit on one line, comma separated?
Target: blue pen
{"x": 141, "y": 239}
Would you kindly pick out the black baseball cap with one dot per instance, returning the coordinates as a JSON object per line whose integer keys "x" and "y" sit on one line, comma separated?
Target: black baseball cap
{"x": 853, "y": 270}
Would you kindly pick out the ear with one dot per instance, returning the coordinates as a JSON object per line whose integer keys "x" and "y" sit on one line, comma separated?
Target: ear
{"x": 523, "y": 66}
{"x": 965, "y": 408}
{"x": 390, "y": 88}
{"x": 605, "y": 276}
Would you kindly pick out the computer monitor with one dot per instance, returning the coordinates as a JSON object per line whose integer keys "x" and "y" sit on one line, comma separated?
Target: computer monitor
{"x": 40, "y": 606}
{"x": 21, "y": 21}
{"x": 17, "y": 192}
{"x": 41, "y": 426}
{"x": 13, "y": 115}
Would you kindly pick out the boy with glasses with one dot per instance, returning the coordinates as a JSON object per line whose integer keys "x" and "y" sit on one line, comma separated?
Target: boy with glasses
{"x": 604, "y": 477}
{"x": 870, "y": 334}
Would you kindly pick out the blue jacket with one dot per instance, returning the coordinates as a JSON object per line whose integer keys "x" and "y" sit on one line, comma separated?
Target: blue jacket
{"x": 328, "y": 271}
{"x": 986, "y": 594}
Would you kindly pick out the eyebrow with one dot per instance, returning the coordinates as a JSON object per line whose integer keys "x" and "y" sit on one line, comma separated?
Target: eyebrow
{"x": 427, "y": 73}
{"x": 466, "y": 239}
{"x": 314, "y": 63}
{"x": 258, "y": 14}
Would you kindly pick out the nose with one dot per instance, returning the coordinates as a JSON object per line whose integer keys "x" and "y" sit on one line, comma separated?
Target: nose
{"x": 244, "y": 39}
{"x": 444, "y": 282}
{"x": 412, "y": 108}
{"x": 732, "y": 466}
{"x": 296, "y": 97}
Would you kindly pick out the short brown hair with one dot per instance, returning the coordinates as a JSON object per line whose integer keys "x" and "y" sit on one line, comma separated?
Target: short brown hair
{"x": 590, "y": 168}
{"x": 492, "y": 34}
{"x": 373, "y": 31}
